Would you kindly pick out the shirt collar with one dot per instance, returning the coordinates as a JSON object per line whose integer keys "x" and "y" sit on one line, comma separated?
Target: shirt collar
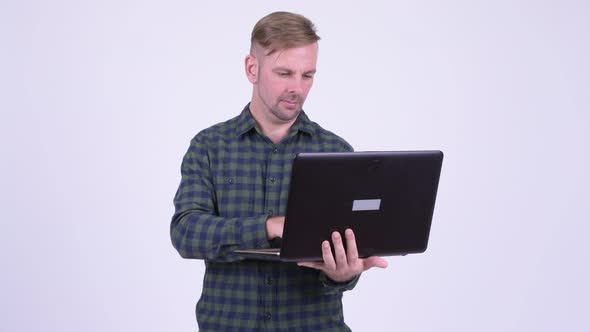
{"x": 246, "y": 123}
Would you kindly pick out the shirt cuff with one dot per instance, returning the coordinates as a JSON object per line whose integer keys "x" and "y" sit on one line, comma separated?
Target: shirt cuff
{"x": 332, "y": 287}
{"x": 253, "y": 233}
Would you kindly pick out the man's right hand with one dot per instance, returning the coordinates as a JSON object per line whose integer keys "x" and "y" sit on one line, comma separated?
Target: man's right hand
{"x": 274, "y": 227}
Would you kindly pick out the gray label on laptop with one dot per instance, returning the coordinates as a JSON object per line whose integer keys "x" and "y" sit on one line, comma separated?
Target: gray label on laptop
{"x": 366, "y": 204}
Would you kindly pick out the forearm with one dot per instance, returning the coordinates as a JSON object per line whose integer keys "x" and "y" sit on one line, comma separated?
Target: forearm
{"x": 204, "y": 236}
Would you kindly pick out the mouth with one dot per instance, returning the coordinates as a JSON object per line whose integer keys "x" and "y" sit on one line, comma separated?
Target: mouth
{"x": 290, "y": 102}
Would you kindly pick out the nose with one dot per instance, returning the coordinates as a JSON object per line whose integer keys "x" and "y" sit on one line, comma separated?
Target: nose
{"x": 295, "y": 85}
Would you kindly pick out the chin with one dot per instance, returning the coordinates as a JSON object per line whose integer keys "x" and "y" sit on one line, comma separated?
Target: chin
{"x": 287, "y": 114}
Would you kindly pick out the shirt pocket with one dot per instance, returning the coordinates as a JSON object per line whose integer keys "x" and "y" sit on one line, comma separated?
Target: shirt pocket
{"x": 236, "y": 194}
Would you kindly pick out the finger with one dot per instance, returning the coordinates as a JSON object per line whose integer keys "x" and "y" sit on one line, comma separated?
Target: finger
{"x": 339, "y": 251}
{"x": 329, "y": 262}
{"x": 351, "y": 249}
{"x": 374, "y": 261}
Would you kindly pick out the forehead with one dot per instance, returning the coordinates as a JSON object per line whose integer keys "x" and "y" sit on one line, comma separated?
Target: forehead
{"x": 296, "y": 58}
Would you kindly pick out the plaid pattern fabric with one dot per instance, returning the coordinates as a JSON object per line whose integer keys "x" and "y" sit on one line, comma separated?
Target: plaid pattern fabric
{"x": 233, "y": 179}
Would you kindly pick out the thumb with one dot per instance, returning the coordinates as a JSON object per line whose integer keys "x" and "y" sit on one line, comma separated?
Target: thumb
{"x": 374, "y": 261}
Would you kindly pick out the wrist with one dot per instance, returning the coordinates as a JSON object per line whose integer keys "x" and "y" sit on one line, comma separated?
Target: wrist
{"x": 274, "y": 227}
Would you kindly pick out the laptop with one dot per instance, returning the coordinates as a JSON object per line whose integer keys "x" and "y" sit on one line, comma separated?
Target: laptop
{"x": 386, "y": 198}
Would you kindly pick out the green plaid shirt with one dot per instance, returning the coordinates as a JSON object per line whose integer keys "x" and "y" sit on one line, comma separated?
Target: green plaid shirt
{"x": 233, "y": 179}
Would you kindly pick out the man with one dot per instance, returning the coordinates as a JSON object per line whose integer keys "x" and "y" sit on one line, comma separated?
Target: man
{"x": 233, "y": 195}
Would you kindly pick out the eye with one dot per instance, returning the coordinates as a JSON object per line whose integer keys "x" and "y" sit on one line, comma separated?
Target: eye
{"x": 284, "y": 74}
{"x": 308, "y": 76}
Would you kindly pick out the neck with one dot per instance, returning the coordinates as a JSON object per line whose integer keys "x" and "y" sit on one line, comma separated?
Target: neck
{"x": 276, "y": 135}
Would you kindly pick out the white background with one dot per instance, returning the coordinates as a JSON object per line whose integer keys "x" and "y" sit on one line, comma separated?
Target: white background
{"x": 99, "y": 100}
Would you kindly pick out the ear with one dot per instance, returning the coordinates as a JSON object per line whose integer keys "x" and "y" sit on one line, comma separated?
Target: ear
{"x": 251, "y": 67}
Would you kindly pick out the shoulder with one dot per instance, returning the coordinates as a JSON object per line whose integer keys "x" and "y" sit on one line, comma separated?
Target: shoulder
{"x": 216, "y": 133}
{"x": 330, "y": 139}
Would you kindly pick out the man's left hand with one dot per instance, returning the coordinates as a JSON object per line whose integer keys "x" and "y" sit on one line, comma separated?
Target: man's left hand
{"x": 344, "y": 265}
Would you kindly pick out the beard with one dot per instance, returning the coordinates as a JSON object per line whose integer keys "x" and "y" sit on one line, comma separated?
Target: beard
{"x": 288, "y": 107}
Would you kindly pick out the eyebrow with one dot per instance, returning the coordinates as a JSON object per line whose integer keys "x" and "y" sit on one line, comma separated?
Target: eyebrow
{"x": 277, "y": 69}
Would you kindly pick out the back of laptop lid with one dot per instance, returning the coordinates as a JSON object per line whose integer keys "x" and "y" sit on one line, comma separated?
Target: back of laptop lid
{"x": 386, "y": 198}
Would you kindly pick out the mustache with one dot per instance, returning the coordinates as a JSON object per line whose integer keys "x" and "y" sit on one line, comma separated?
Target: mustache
{"x": 292, "y": 98}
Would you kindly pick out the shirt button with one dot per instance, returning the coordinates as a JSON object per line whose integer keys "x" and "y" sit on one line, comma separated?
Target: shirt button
{"x": 267, "y": 316}
{"x": 230, "y": 180}
{"x": 273, "y": 179}
{"x": 275, "y": 150}
{"x": 269, "y": 281}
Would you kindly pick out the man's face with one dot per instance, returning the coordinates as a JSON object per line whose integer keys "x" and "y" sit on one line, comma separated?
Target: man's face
{"x": 282, "y": 81}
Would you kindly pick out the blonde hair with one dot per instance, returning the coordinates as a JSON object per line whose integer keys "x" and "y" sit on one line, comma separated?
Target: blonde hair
{"x": 283, "y": 30}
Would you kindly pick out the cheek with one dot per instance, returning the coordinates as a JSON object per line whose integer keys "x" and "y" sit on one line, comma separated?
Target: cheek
{"x": 269, "y": 86}
{"x": 307, "y": 87}
{"x": 276, "y": 87}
